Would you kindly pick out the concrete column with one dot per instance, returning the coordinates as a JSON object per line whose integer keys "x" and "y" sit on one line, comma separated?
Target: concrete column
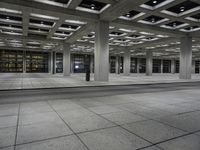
{"x": 149, "y": 62}
{"x": 161, "y": 66}
{"x": 138, "y": 65}
{"x": 24, "y": 62}
{"x": 72, "y": 64}
{"x": 127, "y": 62}
{"x": 91, "y": 63}
{"x": 66, "y": 59}
{"x": 193, "y": 66}
{"x": 54, "y": 64}
{"x": 173, "y": 68}
{"x": 186, "y": 58}
{"x": 117, "y": 65}
{"x": 101, "y": 53}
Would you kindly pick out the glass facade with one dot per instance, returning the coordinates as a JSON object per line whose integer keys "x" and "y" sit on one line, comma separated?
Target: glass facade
{"x": 79, "y": 63}
{"x": 112, "y": 64}
{"x": 177, "y": 66}
{"x": 37, "y": 62}
{"x": 197, "y": 66}
{"x": 11, "y": 61}
{"x": 166, "y": 66}
{"x": 133, "y": 68}
{"x": 59, "y": 62}
{"x": 142, "y": 66}
{"x": 156, "y": 65}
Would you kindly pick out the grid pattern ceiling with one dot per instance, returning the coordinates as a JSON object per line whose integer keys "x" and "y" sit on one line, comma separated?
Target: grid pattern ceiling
{"x": 134, "y": 25}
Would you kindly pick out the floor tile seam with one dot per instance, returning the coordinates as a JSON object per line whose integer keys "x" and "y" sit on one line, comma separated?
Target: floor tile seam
{"x": 6, "y": 146}
{"x": 1, "y": 116}
{"x": 40, "y": 122}
{"x": 165, "y": 123}
{"x": 150, "y": 147}
{"x": 36, "y": 141}
{"x": 181, "y": 136}
{"x": 68, "y": 126}
{"x": 22, "y": 113}
{"x": 17, "y": 128}
{"x": 124, "y": 128}
{"x": 196, "y": 110}
{"x": 139, "y": 114}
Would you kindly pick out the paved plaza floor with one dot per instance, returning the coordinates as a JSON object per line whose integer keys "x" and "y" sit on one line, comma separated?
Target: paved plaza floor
{"x": 45, "y": 80}
{"x": 149, "y": 121}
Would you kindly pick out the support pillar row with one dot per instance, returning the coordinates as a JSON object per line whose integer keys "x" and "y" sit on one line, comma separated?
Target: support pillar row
{"x": 101, "y": 53}
{"x": 149, "y": 62}
{"x": 186, "y": 58}
{"x": 127, "y": 62}
{"x": 66, "y": 59}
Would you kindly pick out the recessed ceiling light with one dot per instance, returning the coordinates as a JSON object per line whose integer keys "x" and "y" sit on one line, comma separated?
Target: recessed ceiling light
{"x": 92, "y": 6}
{"x": 182, "y": 9}
{"x": 154, "y": 2}
{"x": 128, "y": 15}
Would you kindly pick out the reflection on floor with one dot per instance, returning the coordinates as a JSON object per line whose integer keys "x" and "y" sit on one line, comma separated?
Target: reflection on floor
{"x": 149, "y": 121}
{"x": 38, "y": 80}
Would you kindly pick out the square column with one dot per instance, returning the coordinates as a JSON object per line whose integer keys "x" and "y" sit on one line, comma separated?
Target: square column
{"x": 72, "y": 64}
{"x": 127, "y": 62}
{"x": 51, "y": 62}
{"x": 149, "y": 61}
{"x": 173, "y": 66}
{"x": 117, "y": 65}
{"x": 54, "y": 62}
{"x": 193, "y": 66}
{"x": 66, "y": 59}
{"x": 138, "y": 65}
{"x": 91, "y": 63}
{"x": 161, "y": 66}
{"x": 185, "y": 58}
{"x": 101, "y": 52}
{"x": 24, "y": 61}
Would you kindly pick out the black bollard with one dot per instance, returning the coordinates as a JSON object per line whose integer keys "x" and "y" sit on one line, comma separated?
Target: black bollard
{"x": 87, "y": 75}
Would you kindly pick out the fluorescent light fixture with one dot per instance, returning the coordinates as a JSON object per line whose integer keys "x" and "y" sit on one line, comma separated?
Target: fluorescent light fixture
{"x": 174, "y": 27}
{"x": 192, "y": 30}
{"x": 75, "y": 22}
{"x": 52, "y": 3}
{"x": 162, "y": 36}
{"x": 153, "y": 23}
{"x": 59, "y": 38}
{"x": 146, "y": 33}
{"x": 127, "y": 30}
{"x": 151, "y": 39}
{"x": 44, "y": 16}
{"x": 10, "y": 11}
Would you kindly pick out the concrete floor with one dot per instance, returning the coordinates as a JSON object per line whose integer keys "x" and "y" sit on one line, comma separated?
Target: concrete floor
{"x": 38, "y": 80}
{"x": 167, "y": 120}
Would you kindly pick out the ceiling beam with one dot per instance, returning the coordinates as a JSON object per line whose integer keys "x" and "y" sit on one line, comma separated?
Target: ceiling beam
{"x": 147, "y": 28}
{"x": 120, "y": 8}
{"x": 46, "y": 9}
{"x": 27, "y": 38}
{"x": 74, "y": 3}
